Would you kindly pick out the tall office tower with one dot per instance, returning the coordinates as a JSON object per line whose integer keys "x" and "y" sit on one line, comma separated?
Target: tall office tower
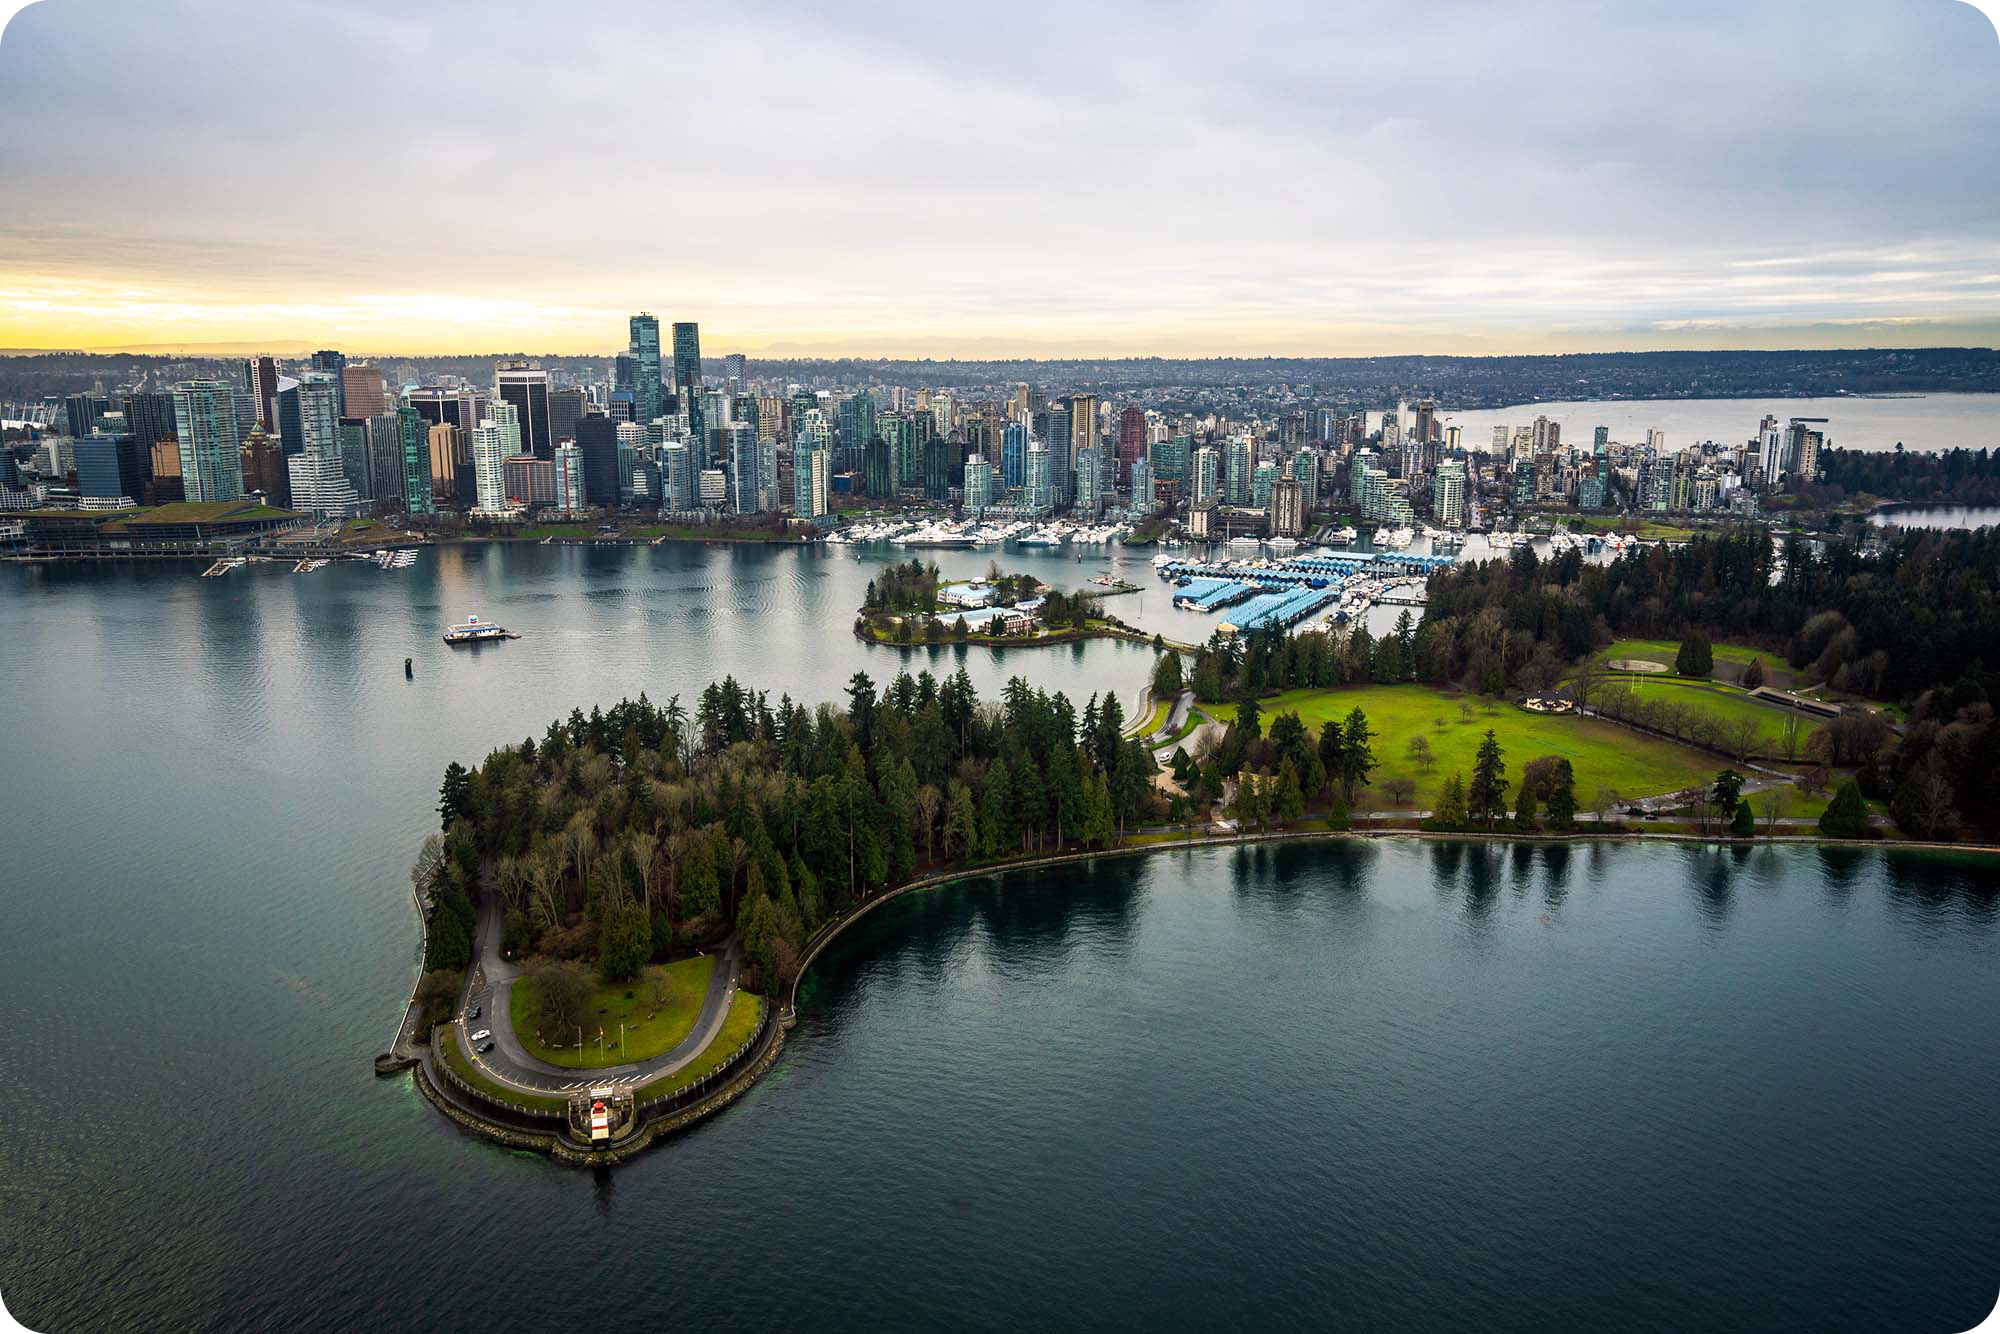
{"x": 1448, "y": 494}
{"x": 386, "y": 476}
{"x": 462, "y": 408}
{"x": 978, "y": 484}
{"x": 205, "y": 424}
{"x": 80, "y": 415}
{"x": 937, "y": 468}
{"x": 261, "y": 374}
{"x": 165, "y": 487}
{"x": 1288, "y": 513}
{"x": 1169, "y": 458}
{"x": 746, "y": 494}
{"x": 150, "y": 417}
{"x": 361, "y": 394}
{"x": 1014, "y": 455}
{"x": 489, "y": 468}
{"x": 318, "y": 471}
{"x": 1236, "y": 479}
{"x": 333, "y": 365}
{"x": 893, "y": 429}
{"x": 265, "y": 468}
{"x": 644, "y": 351}
{"x": 597, "y": 438}
{"x": 1131, "y": 442}
{"x": 733, "y": 366}
{"x": 1038, "y": 487}
{"x": 354, "y": 460}
{"x": 1600, "y": 438}
{"x": 1082, "y": 423}
{"x": 812, "y": 484}
{"x": 571, "y": 498}
{"x": 1501, "y": 438}
{"x": 417, "y": 495}
{"x": 108, "y": 470}
{"x": 687, "y": 359}
{"x": 508, "y": 419}
{"x": 1057, "y": 439}
{"x": 447, "y": 445}
{"x": 1305, "y": 471}
{"x": 878, "y": 469}
{"x": 565, "y": 411}
{"x": 1144, "y": 498}
{"x": 525, "y": 385}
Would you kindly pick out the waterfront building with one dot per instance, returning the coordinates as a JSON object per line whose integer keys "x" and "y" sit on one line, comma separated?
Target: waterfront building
{"x": 978, "y": 484}
{"x": 1131, "y": 442}
{"x": 571, "y": 499}
{"x": 211, "y": 462}
{"x": 812, "y": 484}
{"x": 490, "y": 453}
{"x": 1305, "y": 471}
{"x": 1204, "y": 482}
{"x": 417, "y": 494}
{"x": 265, "y": 469}
{"x": 1039, "y": 485}
{"x": 449, "y": 446}
{"x": 1448, "y": 494}
{"x": 524, "y": 386}
{"x": 597, "y": 445}
{"x": 1240, "y": 461}
{"x": 1089, "y": 496}
{"x": 1170, "y": 457}
{"x": 1144, "y": 497}
{"x": 644, "y": 355}
{"x": 1287, "y": 508}
{"x": 677, "y": 488}
{"x": 566, "y": 409}
{"x": 1014, "y": 455}
{"x": 109, "y": 470}
{"x": 531, "y": 482}
{"x": 1262, "y": 480}
{"x": 878, "y": 469}
{"x": 712, "y": 488}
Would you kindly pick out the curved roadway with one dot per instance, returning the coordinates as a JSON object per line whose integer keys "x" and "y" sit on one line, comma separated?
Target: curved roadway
{"x": 490, "y": 986}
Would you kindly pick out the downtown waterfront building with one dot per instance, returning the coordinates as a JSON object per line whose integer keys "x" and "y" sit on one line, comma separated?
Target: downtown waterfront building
{"x": 210, "y": 440}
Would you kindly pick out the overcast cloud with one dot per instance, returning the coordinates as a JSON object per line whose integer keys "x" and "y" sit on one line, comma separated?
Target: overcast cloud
{"x": 910, "y": 178}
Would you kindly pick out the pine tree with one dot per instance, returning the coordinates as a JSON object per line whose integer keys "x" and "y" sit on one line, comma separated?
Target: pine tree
{"x": 1486, "y": 796}
{"x": 1562, "y": 797}
{"x": 1846, "y": 816}
{"x": 1357, "y": 760}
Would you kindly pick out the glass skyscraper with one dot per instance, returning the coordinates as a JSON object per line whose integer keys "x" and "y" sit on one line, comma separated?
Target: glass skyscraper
{"x": 645, "y": 355}
{"x": 210, "y": 439}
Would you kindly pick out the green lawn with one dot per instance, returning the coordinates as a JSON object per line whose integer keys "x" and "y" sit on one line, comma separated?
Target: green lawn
{"x": 1188, "y": 724}
{"x": 477, "y": 1077}
{"x": 1647, "y": 528}
{"x": 1729, "y": 705}
{"x": 745, "y": 1008}
{"x": 1663, "y": 651}
{"x": 1601, "y": 754}
{"x": 1153, "y": 721}
{"x": 652, "y": 1025}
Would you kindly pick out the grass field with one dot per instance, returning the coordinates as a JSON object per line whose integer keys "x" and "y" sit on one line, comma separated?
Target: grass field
{"x": 1663, "y": 651}
{"x": 1153, "y": 720}
{"x": 1601, "y": 754}
{"x": 1188, "y": 724}
{"x": 1647, "y": 528}
{"x": 651, "y": 1026}
{"x": 745, "y": 1008}
{"x": 473, "y": 1075}
{"x": 1726, "y": 703}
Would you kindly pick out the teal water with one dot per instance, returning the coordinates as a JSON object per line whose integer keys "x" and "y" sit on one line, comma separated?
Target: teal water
{"x": 1373, "y": 1085}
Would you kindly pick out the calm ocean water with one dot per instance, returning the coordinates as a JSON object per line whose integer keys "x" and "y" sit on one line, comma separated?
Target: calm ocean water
{"x": 1919, "y": 421}
{"x": 1383, "y": 1085}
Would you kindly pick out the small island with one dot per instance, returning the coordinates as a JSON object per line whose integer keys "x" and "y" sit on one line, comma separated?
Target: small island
{"x": 912, "y": 604}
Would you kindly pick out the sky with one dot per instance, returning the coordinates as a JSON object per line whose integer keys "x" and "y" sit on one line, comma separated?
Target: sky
{"x": 905, "y": 178}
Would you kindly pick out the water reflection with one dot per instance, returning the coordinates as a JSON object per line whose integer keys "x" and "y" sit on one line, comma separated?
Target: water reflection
{"x": 1555, "y": 874}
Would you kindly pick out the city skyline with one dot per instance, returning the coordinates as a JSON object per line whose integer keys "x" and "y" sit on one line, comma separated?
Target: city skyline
{"x": 1270, "y": 182}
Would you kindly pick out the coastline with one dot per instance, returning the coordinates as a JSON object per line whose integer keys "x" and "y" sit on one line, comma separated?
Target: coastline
{"x": 769, "y": 1044}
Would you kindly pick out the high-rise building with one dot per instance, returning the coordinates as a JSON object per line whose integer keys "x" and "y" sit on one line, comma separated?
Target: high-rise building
{"x": 1448, "y": 494}
{"x": 571, "y": 498}
{"x": 1237, "y": 476}
{"x": 812, "y": 484}
{"x": 1144, "y": 497}
{"x": 417, "y": 495}
{"x": 1039, "y": 486}
{"x": 1288, "y": 513}
{"x": 1169, "y": 458}
{"x": 1082, "y": 424}
{"x": 1803, "y": 444}
{"x": 878, "y": 469}
{"x": 333, "y": 365}
{"x": 1204, "y": 480}
{"x": 463, "y": 408}
{"x": 677, "y": 477}
{"x": 109, "y": 472}
{"x": 361, "y": 394}
{"x": 597, "y": 441}
{"x": 386, "y": 477}
{"x": 525, "y": 385}
{"x": 165, "y": 487}
{"x": 149, "y": 417}
{"x": 80, "y": 414}
{"x": 449, "y": 447}
{"x": 489, "y": 467}
{"x": 565, "y": 411}
{"x": 1014, "y": 455}
{"x": 1089, "y": 497}
{"x": 645, "y": 354}
{"x": 733, "y": 365}
{"x": 978, "y": 484}
{"x": 205, "y": 424}
{"x": 531, "y": 482}
{"x": 1131, "y": 442}
{"x": 1305, "y": 471}
{"x": 1262, "y": 480}
{"x": 937, "y": 468}
{"x": 261, "y": 374}
{"x": 687, "y": 359}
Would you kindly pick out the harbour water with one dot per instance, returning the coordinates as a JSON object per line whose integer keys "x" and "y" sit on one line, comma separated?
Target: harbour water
{"x": 1918, "y": 421}
{"x": 1430, "y": 1086}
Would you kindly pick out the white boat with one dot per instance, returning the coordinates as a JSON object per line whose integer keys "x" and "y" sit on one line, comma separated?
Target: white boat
{"x": 472, "y": 630}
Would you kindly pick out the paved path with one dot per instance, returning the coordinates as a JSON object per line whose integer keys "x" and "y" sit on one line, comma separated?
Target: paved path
{"x": 490, "y": 985}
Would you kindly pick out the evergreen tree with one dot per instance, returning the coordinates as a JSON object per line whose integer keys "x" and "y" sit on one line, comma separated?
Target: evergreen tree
{"x": 1290, "y": 799}
{"x": 1357, "y": 759}
{"x": 1562, "y": 796}
{"x": 1524, "y": 806}
{"x": 1728, "y": 786}
{"x": 1744, "y": 823}
{"x": 1846, "y": 816}
{"x": 1449, "y": 810}
{"x": 1695, "y": 658}
{"x": 1486, "y": 795}
{"x": 454, "y": 795}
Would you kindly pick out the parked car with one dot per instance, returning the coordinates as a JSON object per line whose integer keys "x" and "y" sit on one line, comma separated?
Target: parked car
{"x": 485, "y": 1047}
{"x": 482, "y": 1035}
{"x": 474, "y": 1013}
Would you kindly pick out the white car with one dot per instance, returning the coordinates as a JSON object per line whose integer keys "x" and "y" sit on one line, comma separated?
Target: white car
{"x": 482, "y": 1035}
